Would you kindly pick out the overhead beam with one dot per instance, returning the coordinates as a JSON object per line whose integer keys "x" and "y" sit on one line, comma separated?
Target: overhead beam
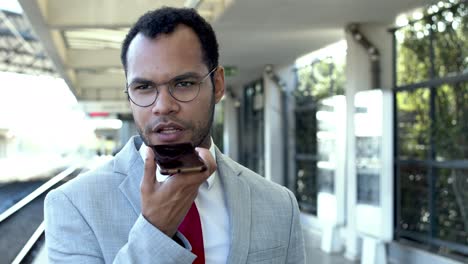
{"x": 70, "y": 14}
{"x": 103, "y": 80}
{"x": 111, "y": 106}
{"x": 102, "y": 94}
{"x": 50, "y": 40}
{"x": 103, "y": 58}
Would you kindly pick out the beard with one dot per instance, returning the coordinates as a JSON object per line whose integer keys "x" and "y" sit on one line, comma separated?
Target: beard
{"x": 200, "y": 130}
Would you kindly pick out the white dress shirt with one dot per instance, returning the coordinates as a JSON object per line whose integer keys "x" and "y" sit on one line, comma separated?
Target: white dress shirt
{"x": 213, "y": 212}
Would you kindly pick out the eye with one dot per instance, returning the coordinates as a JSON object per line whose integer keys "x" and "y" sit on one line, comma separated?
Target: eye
{"x": 142, "y": 87}
{"x": 185, "y": 84}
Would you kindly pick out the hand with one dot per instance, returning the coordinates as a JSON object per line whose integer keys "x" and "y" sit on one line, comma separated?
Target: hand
{"x": 165, "y": 204}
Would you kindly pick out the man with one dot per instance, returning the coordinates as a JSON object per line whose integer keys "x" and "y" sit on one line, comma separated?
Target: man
{"x": 126, "y": 212}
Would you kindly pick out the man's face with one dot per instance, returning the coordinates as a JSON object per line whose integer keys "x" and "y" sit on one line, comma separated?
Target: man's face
{"x": 160, "y": 60}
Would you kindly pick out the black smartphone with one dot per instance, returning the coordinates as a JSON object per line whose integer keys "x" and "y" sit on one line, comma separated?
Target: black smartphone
{"x": 177, "y": 158}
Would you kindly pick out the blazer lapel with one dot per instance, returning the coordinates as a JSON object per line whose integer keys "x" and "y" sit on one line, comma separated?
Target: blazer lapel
{"x": 129, "y": 162}
{"x": 237, "y": 195}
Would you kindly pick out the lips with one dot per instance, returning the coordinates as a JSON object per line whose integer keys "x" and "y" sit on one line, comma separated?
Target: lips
{"x": 169, "y": 132}
{"x": 167, "y": 128}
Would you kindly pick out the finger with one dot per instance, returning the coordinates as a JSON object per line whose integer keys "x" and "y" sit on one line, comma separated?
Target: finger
{"x": 208, "y": 159}
{"x": 149, "y": 173}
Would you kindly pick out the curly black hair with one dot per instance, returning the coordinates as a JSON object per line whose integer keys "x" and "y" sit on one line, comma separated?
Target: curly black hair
{"x": 164, "y": 21}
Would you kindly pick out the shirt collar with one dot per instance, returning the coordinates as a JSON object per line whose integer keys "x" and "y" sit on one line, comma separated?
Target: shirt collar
{"x": 208, "y": 183}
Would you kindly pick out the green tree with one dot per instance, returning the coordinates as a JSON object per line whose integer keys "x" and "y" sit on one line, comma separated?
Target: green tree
{"x": 434, "y": 48}
{"x": 319, "y": 80}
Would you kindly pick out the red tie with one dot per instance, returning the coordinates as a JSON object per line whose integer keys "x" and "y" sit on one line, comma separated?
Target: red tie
{"x": 192, "y": 230}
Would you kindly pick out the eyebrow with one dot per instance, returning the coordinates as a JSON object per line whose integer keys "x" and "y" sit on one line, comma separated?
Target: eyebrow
{"x": 186, "y": 75}
{"x": 138, "y": 80}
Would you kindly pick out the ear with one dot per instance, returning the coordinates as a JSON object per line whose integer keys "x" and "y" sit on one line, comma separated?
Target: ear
{"x": 219, "y": 84}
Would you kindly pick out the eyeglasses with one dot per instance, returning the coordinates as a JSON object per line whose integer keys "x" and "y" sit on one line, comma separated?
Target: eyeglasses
{"x": 182, "y": 88}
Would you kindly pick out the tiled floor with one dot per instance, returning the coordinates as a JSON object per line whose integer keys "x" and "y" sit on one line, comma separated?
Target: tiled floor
{"x": 316, "y": 256}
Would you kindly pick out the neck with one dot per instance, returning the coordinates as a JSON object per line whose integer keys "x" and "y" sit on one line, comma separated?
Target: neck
{"x": 206, "y": 142}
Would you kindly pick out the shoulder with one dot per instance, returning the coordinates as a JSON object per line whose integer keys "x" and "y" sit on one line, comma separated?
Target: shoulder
{"x": 262, "y": 190}
{"x": 109, "y": 175}
{"x": 92, "y": 183}
{"x": 266, "y": 190}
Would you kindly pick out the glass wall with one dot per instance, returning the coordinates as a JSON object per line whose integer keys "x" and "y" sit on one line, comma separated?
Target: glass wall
{"x": 431, "y": 138}
{"x": 252, "y": 128}
{"x": 319, "y": 79}
{"x": 217, "y": 128}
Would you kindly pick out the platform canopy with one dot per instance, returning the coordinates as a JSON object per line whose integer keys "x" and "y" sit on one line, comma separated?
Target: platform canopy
{"x": 83, "y": 37}
{"x": 20, "y": 49}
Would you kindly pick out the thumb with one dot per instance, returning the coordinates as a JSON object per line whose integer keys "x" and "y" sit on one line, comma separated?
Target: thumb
{"x": 149, "y": 173}
{"x": 207, "y": 158}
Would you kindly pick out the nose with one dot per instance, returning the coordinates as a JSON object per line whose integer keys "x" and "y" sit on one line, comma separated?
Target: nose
{"x": 165, "y": 104}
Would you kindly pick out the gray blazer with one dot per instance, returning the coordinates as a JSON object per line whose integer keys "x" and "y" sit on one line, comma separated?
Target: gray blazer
{"x": 96, "y": 217}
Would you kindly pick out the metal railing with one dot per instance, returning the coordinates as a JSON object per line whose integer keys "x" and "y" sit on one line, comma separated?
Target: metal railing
{"x": 20, "y": 205}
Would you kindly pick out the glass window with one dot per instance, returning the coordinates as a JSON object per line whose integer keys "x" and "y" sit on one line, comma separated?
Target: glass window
{"x": 306, "y": 125}
{"x": 368, "y": 167}
{"x": 217, "y": 128}
{"x": 451, "y": 207}
{"x": 415, "y": 192}
{"x": 431, "y": 128}
{"x": 252, "y": 128}
{"x": 451, "y": 122}
{"x": 320, "y": 79}
{"x": 306, "y": 169}
{"x": 413, "y": 54}
{"x": 450, "y": 42}
{"x": 413, "y": 124}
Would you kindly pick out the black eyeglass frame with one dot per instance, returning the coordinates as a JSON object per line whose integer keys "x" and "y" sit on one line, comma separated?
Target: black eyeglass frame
{"x": 170, "y": 90}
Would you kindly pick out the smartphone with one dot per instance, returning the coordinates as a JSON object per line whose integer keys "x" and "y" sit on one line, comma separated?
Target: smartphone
{"x": 177, "y": 158}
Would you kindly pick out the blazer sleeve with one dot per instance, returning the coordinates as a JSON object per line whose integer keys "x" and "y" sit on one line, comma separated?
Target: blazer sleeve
{"x": 296, "y": 249}
{"x": 70, "y": 239}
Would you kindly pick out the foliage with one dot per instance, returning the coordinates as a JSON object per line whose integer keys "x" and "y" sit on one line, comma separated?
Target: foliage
{"x": 433, "y": 120}
{"x": 217, "y": 128}
{"x": 319, "y": 80}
